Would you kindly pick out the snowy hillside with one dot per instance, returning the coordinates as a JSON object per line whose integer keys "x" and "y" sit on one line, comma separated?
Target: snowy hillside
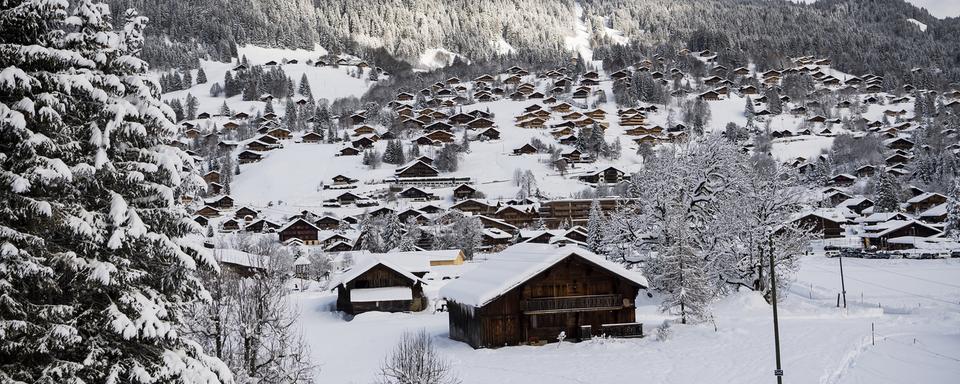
{"x": 326, "y": 82}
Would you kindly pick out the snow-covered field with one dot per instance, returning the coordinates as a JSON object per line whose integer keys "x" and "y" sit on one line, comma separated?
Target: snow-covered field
{"x": 917, "y": 336}
{"x": 326, "y": 82}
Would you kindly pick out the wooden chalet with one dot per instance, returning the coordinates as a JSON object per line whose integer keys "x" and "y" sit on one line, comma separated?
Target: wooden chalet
{"x": 208, "y": 211}
{"x": 261, "y": 225}
{"x": 312, "y": 137}
{"x": 575, "y": 211}
{"x": 348, "y": 151}
{"x": 474, "y": 206}
{"x": 249, "y": 156}
{"x": 464, "y": 191}
{"x": 416, "y": 194}
{"x": 610, "y": 175}
{"x": 924, "y": 201}
{"x": 223, "y": 202}
{"x": 416, "y": 168}
{"x": 480, "y": 123}
{"x": 821, "y": 224}
{"x": 490, "y": 134}
{"x": 529, "y": 293}
{"x": 379, "y": 285}
{"x": 302, "y": 230}
{"x": 896, "y": 234}
{"x": 328, "y": 222}
{"x": 526, "y": 149}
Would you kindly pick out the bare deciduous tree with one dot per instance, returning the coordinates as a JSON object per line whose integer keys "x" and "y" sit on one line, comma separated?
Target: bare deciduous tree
{"x": 415, "y": 360}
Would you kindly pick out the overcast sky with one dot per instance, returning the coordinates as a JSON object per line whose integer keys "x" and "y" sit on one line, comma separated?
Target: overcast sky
{"x": 937, "y": 8}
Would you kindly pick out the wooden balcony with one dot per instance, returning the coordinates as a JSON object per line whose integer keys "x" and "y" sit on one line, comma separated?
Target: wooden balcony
{"x": 572, "y": 304}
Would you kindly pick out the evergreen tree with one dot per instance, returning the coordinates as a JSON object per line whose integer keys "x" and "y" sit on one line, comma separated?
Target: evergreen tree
{"x": 268, "y": 108}
{"x": 774, "y": 104}
{"x": 290, "y": 117}
{"x": 201, "y": 76}
{"x": 952, "y": 227}
{"x": 595, "y": 224}
{"x": 187, "y": 81}
{"x": 177, "y": 107}
{"x": 304, "y": 89}
{"x": 191, "y": 109}
{"x": 887, "y": 193}
{"x": 216, "y": 90}
{"x": 94, "y": 275}
{"x": 225, "y": 109}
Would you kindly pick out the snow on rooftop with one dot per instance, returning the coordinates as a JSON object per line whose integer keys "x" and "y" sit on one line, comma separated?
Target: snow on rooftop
{"x": 237, "y": 257}
{"x": 367, "y": 264}
{"x": 922, "y": 197}
{"x": 365, "y": 295}
{"x": 936, "y": 211}
{"x": 511, "y": 267}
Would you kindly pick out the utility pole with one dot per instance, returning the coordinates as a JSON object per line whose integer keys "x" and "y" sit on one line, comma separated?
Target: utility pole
{"x": 776, "y": 325}
{"x": 843, "y": 287}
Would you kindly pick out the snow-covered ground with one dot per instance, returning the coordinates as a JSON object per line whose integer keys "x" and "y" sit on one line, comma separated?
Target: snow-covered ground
{"x": 917, "y": 336}
{"x": 326, "y": 82}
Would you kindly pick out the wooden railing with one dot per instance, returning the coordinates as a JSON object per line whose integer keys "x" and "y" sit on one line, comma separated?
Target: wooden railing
{"x": 572, "y": 304}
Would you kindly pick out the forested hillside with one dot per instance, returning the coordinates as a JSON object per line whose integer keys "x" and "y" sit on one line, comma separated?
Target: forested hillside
{"x": 859, "y": 35}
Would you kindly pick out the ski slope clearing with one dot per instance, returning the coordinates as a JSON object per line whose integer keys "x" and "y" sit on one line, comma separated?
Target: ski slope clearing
{"x": 922, "y": 26}
{"x": 329, "y": 83}
{"x": 920, "y": 300}
{"x": 579, "y": 42}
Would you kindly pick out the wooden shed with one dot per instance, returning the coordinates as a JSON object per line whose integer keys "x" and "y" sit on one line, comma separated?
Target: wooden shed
{"x": 529, "y": 293}
{"x": 379, "y": 285}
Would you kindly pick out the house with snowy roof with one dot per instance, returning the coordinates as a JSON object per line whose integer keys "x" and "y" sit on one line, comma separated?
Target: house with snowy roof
{"x": 924, "y": 201}
{"x": 825, "y": 223}
{"x": 896, "y": 234}
{"x": 529, "y": 293}
{"x": 379, "y": 285}
{"x": 239, "y": 262}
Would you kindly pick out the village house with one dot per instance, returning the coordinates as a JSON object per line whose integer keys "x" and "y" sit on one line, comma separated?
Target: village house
{"x": 300, "y": 229}
{"x": 575, "y": 211}
{"x": 526, "y": 149}
{"x": 610, "y": 175}
{"x": 416, "y": 168}
{"x": 379, "y": 285}
{"x": 923, "y": 202}
{"x": 822, "y": 224}
{"x": 464, "y": 191}
{"x": 223, "y": 202}
{"x": 896, "y": 234}
{"x": 529, "y": 293}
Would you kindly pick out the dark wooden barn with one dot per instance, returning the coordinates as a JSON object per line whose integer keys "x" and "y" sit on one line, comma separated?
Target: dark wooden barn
{"x": 379, "y": 285}
{"x": 530, "y": 293}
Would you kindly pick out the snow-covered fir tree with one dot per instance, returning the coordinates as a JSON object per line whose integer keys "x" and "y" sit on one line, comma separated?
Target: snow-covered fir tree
{"x": 887, "y": 193}
{"x": 595, "y": 224}
{"x": 95, "y": 266}
{"x": 952, "y": 226}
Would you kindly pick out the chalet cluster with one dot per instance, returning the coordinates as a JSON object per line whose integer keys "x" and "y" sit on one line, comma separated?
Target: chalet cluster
{"x": 916, "y": 227}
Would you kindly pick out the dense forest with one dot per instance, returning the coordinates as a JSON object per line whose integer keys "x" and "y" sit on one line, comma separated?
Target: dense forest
{"x": 859, "y": 35}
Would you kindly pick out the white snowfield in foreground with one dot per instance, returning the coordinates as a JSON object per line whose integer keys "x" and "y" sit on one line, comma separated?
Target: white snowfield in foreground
{"x": 917, "y": 336}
